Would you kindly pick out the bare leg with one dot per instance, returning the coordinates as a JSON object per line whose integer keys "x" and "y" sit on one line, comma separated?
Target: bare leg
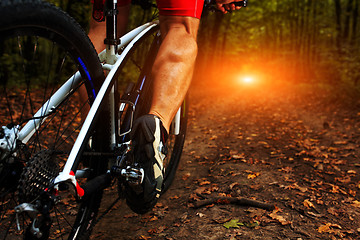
{"x": 174, "y": 65}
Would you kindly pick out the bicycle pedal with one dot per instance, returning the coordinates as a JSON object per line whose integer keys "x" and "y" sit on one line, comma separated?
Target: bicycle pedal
{"x": 134, "y": 176}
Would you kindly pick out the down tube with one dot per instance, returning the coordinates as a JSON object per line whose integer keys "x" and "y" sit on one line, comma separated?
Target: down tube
{"x": 30, "y": 128}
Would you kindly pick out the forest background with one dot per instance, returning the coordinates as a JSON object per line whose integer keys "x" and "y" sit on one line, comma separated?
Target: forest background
{"x": 308, "y": 42}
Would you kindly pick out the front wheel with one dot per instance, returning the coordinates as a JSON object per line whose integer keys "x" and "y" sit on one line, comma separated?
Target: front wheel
{"x": 175, "y": 143}
{"x": 137, "y": 70}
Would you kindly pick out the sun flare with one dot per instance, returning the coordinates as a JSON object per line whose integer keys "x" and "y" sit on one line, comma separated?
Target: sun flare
{"x": 248, "y": 79}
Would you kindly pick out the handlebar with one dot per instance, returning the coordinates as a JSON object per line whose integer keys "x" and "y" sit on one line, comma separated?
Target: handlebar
{"x": 211, "y": 4}
{"x": 241, "y": 3}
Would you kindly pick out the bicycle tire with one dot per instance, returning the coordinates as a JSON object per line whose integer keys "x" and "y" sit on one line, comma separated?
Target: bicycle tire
{"x": 51, "y": 47}
{"x": 175, "y": 142}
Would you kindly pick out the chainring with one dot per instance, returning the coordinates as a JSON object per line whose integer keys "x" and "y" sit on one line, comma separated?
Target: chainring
{"x": 38, "y": 174}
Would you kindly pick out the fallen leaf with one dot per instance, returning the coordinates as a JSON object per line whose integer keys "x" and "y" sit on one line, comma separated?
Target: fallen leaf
{"x": 332, "y": 211}
{"x": 336, "y": 168}
{"x": 200, "y": 190}
{"x": 204, "y": 183}
{"x": 142, "y": 237}
{"x": 351, "y": 192}
{"x": 154, "y": 218}
{"x": 213, "y": 137}
{"x": 152, "y": 231}
{"x": 308, "y": 204}
{"x": 340, "y": 162}
{"x": 286, "y": 169}
{"x": 327, "y": 228}
{"x": 356, "y": 203}
{"x": 253, "y": 175}
{"x": 233, "y": 223}
{"x": 333, "y": 149}
{"x": 233, "y": 185}
{"x": 200, "y": 215}
{"x": 238, "y": 156}
{"x": 335, "y": 189}
{"x": 324, "y": 228}
{"x": 345, "y": 179}
{"x": 221, "y": 220}
{"x": 279, "y": 218}
{"x": 251, "y": 224}
{"x": 185, "y": 176}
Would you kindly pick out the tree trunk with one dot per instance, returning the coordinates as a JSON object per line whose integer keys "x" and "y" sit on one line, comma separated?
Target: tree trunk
{"x": 338, "y": 24}
{"x": 346, "y": 35}
{"x": 215, "y": 37}
{"x": 355, "y": 23}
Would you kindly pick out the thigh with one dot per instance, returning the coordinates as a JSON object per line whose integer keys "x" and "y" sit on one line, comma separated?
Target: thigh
{"x": 189, "y": 8}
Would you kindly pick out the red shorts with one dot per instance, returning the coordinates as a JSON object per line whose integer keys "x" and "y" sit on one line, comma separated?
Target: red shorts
{"x": 189, "y": 8}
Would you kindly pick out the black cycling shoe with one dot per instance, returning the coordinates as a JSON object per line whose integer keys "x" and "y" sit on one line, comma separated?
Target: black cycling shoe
{"x": 148, "y": 137}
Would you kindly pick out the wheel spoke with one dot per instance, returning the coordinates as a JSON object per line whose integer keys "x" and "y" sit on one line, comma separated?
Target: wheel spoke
{"x": 22, "y": 97}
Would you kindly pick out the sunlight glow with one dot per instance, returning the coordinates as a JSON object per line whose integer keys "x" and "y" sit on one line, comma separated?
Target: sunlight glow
{"x": 248, "y": 79}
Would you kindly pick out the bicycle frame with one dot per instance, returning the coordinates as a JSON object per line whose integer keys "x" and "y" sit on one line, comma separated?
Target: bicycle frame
{"x": 107, "y": 56}
{"x": 111, "y": 62}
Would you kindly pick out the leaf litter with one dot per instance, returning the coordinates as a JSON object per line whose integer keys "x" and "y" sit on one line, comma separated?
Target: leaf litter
{"x": 295, "y": 151}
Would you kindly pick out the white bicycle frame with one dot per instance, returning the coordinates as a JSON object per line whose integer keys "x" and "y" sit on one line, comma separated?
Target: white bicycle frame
{"x": 111, "y": 62}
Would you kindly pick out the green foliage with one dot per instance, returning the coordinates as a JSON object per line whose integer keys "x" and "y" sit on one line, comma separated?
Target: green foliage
{"x": 80, "y": 10}
{"x": 22, "y": 64}
{"x": 234, "y": 223}
{"x": 299, "y": 41}
{"x": 139, "y": 16}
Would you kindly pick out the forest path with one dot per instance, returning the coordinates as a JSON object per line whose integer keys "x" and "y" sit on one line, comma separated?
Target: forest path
{"x": 281, "y": 145}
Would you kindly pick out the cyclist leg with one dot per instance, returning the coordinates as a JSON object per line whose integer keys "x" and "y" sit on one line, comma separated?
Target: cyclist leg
{"x": 174, "y": 65}
{"x": 171, "y": 73}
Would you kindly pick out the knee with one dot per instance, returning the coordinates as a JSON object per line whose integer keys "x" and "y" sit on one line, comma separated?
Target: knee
{"x": 179, "y": 37}
{"x": 179, "y": 46}
{"x": 185, "y": 49}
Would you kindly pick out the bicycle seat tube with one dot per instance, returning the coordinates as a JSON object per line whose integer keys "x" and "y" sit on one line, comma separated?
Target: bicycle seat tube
{"x": 111, "y": 39}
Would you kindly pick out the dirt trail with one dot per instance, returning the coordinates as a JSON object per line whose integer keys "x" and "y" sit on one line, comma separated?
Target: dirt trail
{"x": 283, "y": 146}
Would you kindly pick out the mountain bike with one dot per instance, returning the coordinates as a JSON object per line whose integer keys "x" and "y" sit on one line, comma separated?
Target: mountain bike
{"x": 64, "y": 126}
